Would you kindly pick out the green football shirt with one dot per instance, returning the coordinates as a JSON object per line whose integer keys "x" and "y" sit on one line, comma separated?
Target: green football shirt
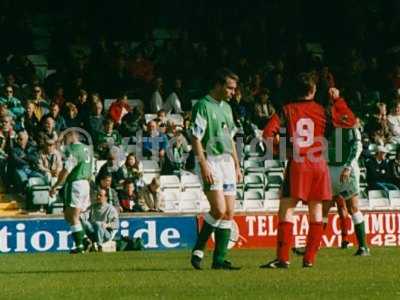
{"x": 345, "y": 147}
{"x": 78, "y": 162}
{"x": 213, "y": 125}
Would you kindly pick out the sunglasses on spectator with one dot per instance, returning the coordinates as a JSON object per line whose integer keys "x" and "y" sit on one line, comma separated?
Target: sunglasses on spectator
{"x": 37, "y": 91}
{"x": 9, "y": 91}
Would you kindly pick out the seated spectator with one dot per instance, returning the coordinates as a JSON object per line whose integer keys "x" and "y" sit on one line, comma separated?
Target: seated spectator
{"x": 119, "y": 109}
{"x": 50, "y": 161}
{"x": 111, "y": 167}
{"x": 72, "y": 118}
{"x": 173, "y": 103}
{"x": 23, "y": 161}
{"x": 48, "y": 131}
{"x": 59, "y": 121}
{"x": 59, "y": 97}
{"x": 132, "y": 170}
{"x": 29, "y": 121}
{"x": 7, "y": 136}
{"x": 394, "y": 123}
{"x": 103, "y": 220}
{"x": 154, "y": 142}
{"x": 95, "y": 120}
{"x": 82, "y": 105}
{"x": 156, "y": 100}
{"x": 129, "y": 200}
{"x": 162, "y": 116}
{"x": 394, "y": 167}
{"x": 150, "y": 197}
{"x": 105, "y": 182}
{"x": 378, "y": 171}
{"x": 377, "y": 126}
{"x": 263, "y": 108}
{"x": 131, "y": 123}
{"x": 106, "y": 139}
{"x": 177, "y": 154}
{"x": 13, "y": 104}
{"x": 41, "y": 104}
{"x": 10, "y": 81}
{"x": 240, "y": 109}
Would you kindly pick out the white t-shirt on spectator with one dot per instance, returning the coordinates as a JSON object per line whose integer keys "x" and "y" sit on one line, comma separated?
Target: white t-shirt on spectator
{"x": 173, "y": 104}
{"x": 156, "y": 102}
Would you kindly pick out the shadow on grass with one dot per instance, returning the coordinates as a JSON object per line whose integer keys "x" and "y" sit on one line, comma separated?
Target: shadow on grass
{"x": 94, "y": 271}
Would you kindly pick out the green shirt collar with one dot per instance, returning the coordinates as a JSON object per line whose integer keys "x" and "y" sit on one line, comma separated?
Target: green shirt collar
{"x": 212, "y": 100}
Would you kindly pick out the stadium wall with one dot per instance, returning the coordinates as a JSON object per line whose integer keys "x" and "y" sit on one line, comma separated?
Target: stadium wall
{"x": 171, "y": 232}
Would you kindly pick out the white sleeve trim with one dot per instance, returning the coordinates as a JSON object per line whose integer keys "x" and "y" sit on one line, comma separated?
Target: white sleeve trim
{"x": 199, "y": 127}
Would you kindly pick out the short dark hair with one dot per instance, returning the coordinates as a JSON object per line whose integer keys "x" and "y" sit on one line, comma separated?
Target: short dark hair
{"x": 128, "y": 182}
{"x": 303, "y": 84}
{"x": 105, "y": 175}
{"x": 221, "y": 75}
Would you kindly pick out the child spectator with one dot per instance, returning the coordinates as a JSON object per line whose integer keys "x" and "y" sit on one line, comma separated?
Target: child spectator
{"x": 129, "y": 200}
{"x": 106, "y": 139}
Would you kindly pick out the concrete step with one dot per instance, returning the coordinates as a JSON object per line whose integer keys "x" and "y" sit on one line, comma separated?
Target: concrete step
{"x": 12, "y": 205}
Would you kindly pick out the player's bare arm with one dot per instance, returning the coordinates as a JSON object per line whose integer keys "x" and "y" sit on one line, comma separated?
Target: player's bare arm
{"x": 60, "y": 180}
{"x": 199, "y": 153}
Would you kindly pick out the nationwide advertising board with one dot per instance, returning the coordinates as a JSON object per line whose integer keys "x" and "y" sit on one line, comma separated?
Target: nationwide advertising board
{"x": 260, "y": 231}
{"x": 51, "y": 235}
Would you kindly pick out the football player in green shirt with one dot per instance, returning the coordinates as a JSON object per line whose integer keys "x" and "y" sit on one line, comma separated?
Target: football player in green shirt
{"x": 213, "y": 130}
{"x": 75, "y": 177}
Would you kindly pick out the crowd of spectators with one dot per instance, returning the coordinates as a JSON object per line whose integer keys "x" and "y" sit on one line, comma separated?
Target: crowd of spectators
{"x": 91, "y": 65}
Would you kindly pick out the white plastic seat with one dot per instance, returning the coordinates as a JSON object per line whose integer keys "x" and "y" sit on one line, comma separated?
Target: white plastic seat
{"x": 254, "y": 194}
{"x": 190, "y": 181}
{"x": 254, "y": 166}
{"x": 149, "y": 117}
{"x": 150, "y": 166}
{"x": 394, "y": 199}
{"x": 273, "y": 166}
{"x": 272, "y": 198}
{"x": 170, "y": 182}
{"x": 378, "y": 199}
{"x": 254, "y": 180}
{"x": 176, "y": 118}
{"x": 274, "y": 180}
{"x": 171, "y": 206}
{"x": 190, "y": 201}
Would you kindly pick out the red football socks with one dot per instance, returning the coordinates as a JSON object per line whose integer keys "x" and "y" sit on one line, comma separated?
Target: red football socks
{"x": 345, "y": 225}
{"x": 285, "y": 235}
{"x": 313, "y": 241}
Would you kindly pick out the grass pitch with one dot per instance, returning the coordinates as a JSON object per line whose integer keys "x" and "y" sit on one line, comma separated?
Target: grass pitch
{"x": 168, "y": 275}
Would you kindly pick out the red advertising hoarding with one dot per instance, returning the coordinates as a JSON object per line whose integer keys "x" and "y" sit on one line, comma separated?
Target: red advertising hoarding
{"x": 260, "y": 230}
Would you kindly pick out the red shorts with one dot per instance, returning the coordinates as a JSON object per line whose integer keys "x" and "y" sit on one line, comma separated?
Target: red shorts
{"x": 308, "y": 181}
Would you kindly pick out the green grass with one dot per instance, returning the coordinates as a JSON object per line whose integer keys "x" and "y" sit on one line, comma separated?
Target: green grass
{"x": 168, "y": 275}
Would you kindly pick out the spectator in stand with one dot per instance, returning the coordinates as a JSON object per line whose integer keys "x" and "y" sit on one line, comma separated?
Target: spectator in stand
{"x": 131, "y": 123}
{"x": 173, "y": 104}
{"x": 239, "y": 108}
{"x": 23, "y": 161}
{"x": 132, "y": 170}
{"x": 156, "y": 100}
{"x": 141, "y": 69}
{"x": 177, "y": 153}
{"x": 378, "y": 171}
{"x": 111, "y": 167}
{"x": 7, "y": 131}
{"x": 72, "y": 117}
{"x": 154, "y": 142}
{"x": 83, "y": 105}
{"x": 103, "y": 220}
{"x": 59, "y": 120}
{"x": 278, "y": 92}
{"x": 41, "y": 104}
{"x": 394, "y": 123}
{"x": 394, "y": 167}
{"x": 119, "y": 109}
{"x": 105, "y": 182}
{"x": 151, "y": 198}
{"x": 50, "y": 161}
{"x": 48, "y": 131}
{"x": 263, "y": 108}
{"x": 13, "y": 104}
{"x": 129, "y": 200}
{"x": 95, "y": 120}
{"x": 59, "y": 97}
{"x": 106, "y": 139}
{"x": 377, "y": 126}
{"x": 30, "y": 122}
{"x": 10, "y": 81}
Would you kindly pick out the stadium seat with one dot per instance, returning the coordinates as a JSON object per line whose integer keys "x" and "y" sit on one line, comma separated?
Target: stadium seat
{"x": 378, "y": 199}
{"x": 272, "y": 199}
{"x": 150, "y": 166}
{"x": 254, "y": 181}
{"x": 363, "y": 200}
{"x": 38, "y": 189}
{"x": 170, "y": 182}
{"x": 253, "y": 200}
{"x": 190, "y": 181}
{"x": 274, "y": 180}
{"x": 149, "y": 117}
{"x": 254, "y": 166}
{"x": 176, "y": 118}
{"x": 190, "y": 201}
{"x": 148, "y": 177}
{"x": 273, "y": 166}
{"x": 99, "y": 164}
{"x": 171, "y": 206}
{"x": 392, "y": 148}
{"x": 239, "y": 195}
{"x": 252, "y": 151}
{"x": 394, "y": 197}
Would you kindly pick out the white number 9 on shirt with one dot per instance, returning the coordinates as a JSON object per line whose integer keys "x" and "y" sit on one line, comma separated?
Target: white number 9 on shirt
{"x": 304, "y": 132}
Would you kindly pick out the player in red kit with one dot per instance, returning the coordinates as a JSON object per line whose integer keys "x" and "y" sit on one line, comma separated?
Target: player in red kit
{"x": 307, "y": 176}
